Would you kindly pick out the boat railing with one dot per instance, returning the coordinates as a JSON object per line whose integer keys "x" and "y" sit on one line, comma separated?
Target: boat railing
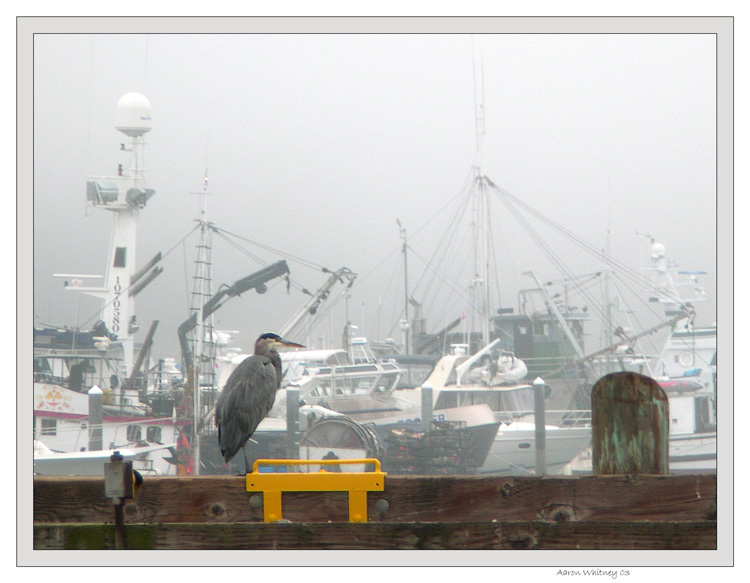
{"x": 542, "y": 365}
{"x": 118, "y": 434}
{"x": 49, "y": 378}
{"x": 576, "y": 418}
{"x": 559, "y": 417}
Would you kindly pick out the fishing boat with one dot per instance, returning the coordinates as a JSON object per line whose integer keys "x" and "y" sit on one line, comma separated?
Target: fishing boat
{"x": 137, "y": 412}
{"x": 351, "y": 406}
{"x": 685, "y": 369}
{"x": 692, "y": 430}
{"x": 460, "y": 380}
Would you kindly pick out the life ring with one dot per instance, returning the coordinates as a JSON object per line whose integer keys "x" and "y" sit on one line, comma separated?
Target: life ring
{"x": 686, "y": 358}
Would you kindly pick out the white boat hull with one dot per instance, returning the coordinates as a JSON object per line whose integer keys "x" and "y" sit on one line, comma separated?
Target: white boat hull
{"x": 61, "y": 422}
{"x": 91, "y": 463}
{"x": 692, "y": 453}
{"x": 514, "y": 450}
{"x": 688, "y": 454}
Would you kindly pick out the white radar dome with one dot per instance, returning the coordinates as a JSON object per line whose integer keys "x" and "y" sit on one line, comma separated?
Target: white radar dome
{"x": 658, "y": 250}
{"x": 133, "y": 115}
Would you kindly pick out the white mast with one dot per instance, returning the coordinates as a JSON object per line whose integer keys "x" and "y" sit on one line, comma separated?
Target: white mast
{"x": 124, "y": 195}
{"x": 405, "y": 325}
{"x": 482, "y": 218}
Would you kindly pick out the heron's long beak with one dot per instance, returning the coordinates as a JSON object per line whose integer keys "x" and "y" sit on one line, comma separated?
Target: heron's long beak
{"x": 289, "y": 343}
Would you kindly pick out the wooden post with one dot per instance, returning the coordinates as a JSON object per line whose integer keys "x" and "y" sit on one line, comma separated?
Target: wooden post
{"x": 95, "y": 418}
{"x": 630, "y": 418}
{"x": 292, "y": 423}
{"x": 426, "y": 397}
{"x": 540, "y": 427}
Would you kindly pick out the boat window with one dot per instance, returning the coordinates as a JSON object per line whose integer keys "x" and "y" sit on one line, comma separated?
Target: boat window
{"x": 49, "y": 426}
{"x": 322, "y": 389}
{"x": 705, "y": 416}
{"x": 520, "y": 400}
{"x": 540, "y": 329}
{"x": 41, "y": 369}
{"x": 134, "y": 433}
{"x": 387, "y": 383}
{"x": 414, "y": 374}
{"x": 153, "y": 434}
{"x": 119, "y": 257}
{"x": 446, "y": 400}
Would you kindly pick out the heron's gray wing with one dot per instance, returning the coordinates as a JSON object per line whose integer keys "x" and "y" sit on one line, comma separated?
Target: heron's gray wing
{"x": 246, "y": 399}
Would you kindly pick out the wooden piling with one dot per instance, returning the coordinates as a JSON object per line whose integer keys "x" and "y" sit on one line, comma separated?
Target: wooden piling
{"x": 426, "y": 400}
{"x": 292, "y": 423}
{"x": 95, "y": 418}
{"x": 540, "y": 427}
{"x": 630, "y": 425}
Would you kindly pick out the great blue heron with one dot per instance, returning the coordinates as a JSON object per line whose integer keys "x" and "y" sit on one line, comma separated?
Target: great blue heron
{"x": 248, "y": 396}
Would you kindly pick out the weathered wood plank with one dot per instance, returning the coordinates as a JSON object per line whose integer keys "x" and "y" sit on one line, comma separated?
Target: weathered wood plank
{"x": 514, "y": 535}
{"x": 223, "y": 499}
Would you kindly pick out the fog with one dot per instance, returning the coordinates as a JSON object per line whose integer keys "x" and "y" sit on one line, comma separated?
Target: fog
{"x": 314, "y": 146}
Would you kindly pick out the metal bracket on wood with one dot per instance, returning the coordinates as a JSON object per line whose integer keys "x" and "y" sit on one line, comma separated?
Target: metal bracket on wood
{"x": 120, "y": 483}
{"x": 356, "y": 483}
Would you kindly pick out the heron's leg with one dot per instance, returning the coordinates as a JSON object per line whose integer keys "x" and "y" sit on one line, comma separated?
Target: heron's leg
{"x": 247, "y": 451}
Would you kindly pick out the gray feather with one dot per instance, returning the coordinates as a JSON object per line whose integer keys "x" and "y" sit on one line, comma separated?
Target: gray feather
{"x": 245, "y": 401}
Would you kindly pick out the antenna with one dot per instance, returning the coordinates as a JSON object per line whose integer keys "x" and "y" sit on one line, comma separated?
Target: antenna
{"x": 203, "y": 341}
{"x": 205, "y": 192}
{"x": 478, "y": 67}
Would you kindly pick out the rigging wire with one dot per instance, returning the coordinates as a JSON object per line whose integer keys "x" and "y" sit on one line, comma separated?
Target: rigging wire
{"x": 547, "y": 250}
{"x": 271, "y": 249}
{"x": 446, "y": 243}
{"x": 424, "y": 225}
{"x": 223, "y": 234}
{"x": 397, "y": 250}
{"x": 632, "y": 273}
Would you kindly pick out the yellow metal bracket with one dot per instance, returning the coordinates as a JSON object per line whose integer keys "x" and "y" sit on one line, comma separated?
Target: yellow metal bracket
{"x": 356, "y": 483}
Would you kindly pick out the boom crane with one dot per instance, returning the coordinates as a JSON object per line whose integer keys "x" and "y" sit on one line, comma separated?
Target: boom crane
{"x": 255, "y": 281}
{"x": 686, "y": 311}
{"x": 344, "y": 276}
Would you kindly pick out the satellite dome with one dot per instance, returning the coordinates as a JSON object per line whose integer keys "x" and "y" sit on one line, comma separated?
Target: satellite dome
{"x": 658, "y": 250}
{"x": 133, "y": 115}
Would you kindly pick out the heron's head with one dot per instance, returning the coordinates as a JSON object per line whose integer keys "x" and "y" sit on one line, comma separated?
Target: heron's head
{"x": 270, "y": 341}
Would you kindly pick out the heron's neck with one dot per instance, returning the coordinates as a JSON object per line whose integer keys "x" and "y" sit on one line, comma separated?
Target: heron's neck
{"x": 276, "y": 362}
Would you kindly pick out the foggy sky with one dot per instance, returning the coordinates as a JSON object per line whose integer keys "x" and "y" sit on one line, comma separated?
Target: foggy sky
{"x": 316, "y": 144}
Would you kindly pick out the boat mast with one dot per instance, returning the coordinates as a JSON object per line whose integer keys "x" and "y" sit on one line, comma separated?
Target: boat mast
{"x": 478, "y": 70}
{"x": 607, "y": 333}
{"x": 405, "y": 324}
{"x": 482, "y": 198}
{"x": 204, "y": 348}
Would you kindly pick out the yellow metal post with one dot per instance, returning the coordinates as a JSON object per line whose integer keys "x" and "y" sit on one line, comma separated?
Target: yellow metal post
{"x": 271, "y": 505}
{"x": 357, "y": 506}
{"x": 356, "y": 483}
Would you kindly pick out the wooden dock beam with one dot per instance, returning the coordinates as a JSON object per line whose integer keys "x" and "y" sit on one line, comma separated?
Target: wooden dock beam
{"x": 512, "y": 535}
{"x": 602, "y": 512}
